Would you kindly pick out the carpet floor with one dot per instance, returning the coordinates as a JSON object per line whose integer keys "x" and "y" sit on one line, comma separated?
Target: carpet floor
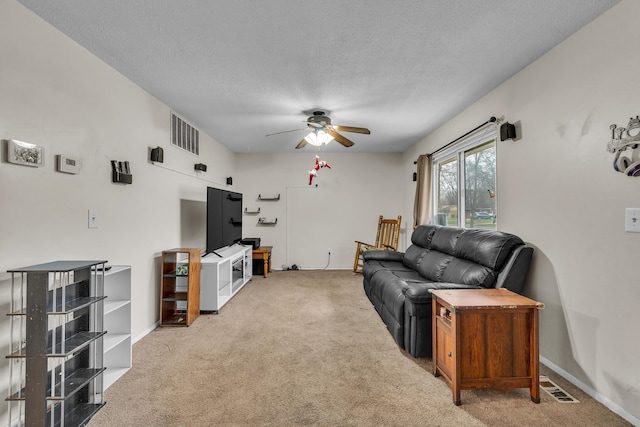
{"x": 306, "y": 348}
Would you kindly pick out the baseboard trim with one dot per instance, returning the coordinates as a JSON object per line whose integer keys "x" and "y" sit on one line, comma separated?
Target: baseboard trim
{"x": 612, "y": 406}
{"x": 145, "y": 332}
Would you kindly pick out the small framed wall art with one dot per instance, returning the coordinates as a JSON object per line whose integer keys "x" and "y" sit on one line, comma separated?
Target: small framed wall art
{"x": 25, "y": 153}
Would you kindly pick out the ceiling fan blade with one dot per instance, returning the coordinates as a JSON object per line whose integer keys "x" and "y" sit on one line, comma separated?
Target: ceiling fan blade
{"x": 287, "y": 131}
{"x": 341, "y": 139}
{"x": 301, "y": 143}
{"x": 352, "y": 129}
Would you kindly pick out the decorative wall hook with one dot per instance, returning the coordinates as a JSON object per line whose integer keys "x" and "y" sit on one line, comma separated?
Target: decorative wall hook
{"x": 621, "y": 140}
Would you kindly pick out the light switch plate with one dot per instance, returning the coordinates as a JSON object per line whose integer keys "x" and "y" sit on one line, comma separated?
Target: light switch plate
{"x": 632, "y": 220}
{"x": 93, "y": 218}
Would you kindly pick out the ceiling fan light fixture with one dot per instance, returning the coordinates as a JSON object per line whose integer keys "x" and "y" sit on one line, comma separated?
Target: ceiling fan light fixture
{"x": 318, "y": 137}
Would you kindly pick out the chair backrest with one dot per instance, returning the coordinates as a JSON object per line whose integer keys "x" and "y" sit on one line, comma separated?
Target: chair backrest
{"x": 388, "y": 233}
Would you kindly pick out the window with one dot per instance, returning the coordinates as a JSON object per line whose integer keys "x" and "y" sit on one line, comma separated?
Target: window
{"x": 464, "y": 182}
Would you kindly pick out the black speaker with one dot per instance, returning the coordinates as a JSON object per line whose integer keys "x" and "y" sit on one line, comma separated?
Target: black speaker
{"x": 507, "y": 131}
{"x": 229, "y": 181}
{"x": 157, "y": 154}
{"x": 200, "y": 167}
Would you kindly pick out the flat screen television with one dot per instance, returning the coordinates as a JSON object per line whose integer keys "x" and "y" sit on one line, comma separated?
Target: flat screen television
{"x": 224, "y": 218}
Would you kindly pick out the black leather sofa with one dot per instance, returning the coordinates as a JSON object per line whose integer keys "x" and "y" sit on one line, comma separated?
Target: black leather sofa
{"x": 398, "y": 283}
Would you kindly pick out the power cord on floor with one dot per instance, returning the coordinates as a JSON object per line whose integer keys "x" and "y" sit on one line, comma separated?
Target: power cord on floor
{"x": 295, "y": 267}
{"x": 328, "y": 261}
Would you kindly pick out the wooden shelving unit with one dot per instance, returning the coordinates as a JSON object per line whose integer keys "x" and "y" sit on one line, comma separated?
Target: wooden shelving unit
{"x": 180, "y": 287}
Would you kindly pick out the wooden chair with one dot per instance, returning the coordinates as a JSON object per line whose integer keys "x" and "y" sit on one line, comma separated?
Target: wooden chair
{"x": 386, "y": 239}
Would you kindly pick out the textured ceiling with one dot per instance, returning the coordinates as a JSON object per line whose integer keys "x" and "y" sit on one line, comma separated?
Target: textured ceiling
{"x": 241, "y": 69}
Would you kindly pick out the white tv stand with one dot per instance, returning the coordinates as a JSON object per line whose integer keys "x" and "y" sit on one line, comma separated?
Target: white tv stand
{"x": 221, "y": 277}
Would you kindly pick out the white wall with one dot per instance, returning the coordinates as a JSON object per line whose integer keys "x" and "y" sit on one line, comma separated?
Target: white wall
{"x": 344, "y": 206}
{"x": 55, "y": 94}
{"x": 558, "y": 191}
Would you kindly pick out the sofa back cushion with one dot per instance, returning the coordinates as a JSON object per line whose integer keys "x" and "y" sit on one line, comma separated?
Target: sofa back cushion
{"x": 471, "y": 257}
{"x": 439, "y": 267}
{"x": 413, "y": 255}
{"x": 423, "y": 234}
{"x": 485, "y": 247}
{"x": 445, "y": 239}
{"x": 421, "y": 239}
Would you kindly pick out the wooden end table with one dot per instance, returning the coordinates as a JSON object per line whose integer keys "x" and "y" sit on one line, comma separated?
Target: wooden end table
{"x": 263, "y": 253}
{"x": 486, "y": 338}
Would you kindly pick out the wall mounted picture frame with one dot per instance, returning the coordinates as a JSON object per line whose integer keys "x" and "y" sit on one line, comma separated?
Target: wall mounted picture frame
{"x": 25, "y": 153}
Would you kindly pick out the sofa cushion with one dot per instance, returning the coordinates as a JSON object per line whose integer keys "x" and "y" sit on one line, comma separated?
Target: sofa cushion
{"x": 445, "y": 239}
{"x": 413, "y": 256}
{"x": 439, "y": 267}
{"x": 380, "y": 260}
{"x": 467, "y": 256}
{"x": 489, "y": 248}
{"x": 370, "y": 267}
{"x": 468, "y": 273}
{"x": 423, "y": 234}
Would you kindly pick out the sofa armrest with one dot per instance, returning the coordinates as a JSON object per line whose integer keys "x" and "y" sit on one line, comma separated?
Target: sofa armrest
{"x": 382, "y": 255}
{"x": 514, "y": 273}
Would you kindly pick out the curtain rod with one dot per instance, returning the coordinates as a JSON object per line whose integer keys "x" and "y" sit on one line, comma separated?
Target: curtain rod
{"x": 491, "y": 120}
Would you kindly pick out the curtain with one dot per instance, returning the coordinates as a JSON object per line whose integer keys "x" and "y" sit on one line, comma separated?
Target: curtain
{"x": 422, "y": 202}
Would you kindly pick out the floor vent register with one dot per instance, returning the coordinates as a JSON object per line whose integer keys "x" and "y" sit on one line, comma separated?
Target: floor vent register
{"x": 555, "y": 391}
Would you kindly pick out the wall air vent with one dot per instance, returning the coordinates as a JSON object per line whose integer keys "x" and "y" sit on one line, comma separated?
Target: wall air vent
{"x": 184, "y": 136}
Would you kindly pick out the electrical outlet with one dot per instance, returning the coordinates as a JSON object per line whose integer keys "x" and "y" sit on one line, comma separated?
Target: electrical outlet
{"x": 632, "y": 220}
